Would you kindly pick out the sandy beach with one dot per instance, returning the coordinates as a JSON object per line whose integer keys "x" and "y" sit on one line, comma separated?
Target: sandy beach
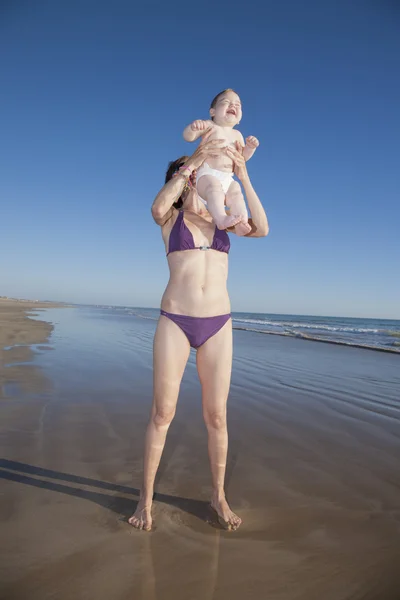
{"x": 18, "y": 333}
{"x": 313, "y": 468}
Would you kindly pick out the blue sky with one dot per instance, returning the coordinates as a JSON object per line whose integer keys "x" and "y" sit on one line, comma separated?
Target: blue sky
{"x": 95, "y": 95}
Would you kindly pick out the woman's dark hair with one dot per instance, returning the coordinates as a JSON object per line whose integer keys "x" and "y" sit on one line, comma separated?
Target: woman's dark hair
{"x": 173, "y": 167}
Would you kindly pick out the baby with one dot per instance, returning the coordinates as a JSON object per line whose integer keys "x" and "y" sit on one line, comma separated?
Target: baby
{"x": 215, "y": 184}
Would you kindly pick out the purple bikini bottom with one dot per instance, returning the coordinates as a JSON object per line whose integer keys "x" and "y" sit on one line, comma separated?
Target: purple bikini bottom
{"x": 198, "y": 329}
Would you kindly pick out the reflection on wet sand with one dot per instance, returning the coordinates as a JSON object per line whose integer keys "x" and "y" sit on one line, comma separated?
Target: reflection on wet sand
{"x": 313, "y": 473}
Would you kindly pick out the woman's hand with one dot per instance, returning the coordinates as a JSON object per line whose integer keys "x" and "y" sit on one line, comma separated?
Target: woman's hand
{"x": 205, "y": 150}
{"x": 239, "y": 163}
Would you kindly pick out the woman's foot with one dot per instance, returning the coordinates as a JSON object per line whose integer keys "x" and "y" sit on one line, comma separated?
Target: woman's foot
{"x": 226, "y": 517}
{"x": 141, "y": 518}
{"x": 242, "y": 228}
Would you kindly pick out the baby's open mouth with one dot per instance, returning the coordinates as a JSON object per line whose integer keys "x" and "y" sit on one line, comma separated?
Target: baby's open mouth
{"x": 231, "y": 111}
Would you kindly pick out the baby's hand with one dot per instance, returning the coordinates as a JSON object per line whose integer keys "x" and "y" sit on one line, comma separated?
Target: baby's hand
{"x": 199, "y": 125}
{"x": 252, "y": 142}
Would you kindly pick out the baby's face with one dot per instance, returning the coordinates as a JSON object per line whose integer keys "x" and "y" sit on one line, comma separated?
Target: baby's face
{"x": 228, "y": 110}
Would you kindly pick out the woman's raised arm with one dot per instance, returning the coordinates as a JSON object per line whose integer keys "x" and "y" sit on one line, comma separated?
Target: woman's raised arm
{"x": 161, "y": 209}
{"x": 258, "y": 220}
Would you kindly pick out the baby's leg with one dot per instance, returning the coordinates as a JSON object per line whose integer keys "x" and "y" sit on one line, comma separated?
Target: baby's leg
{"x": 210, "y": 189}
{"x": 237, "y": 206}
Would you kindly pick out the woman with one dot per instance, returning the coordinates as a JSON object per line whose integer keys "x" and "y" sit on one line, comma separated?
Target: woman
{"x": 195, "y": 311}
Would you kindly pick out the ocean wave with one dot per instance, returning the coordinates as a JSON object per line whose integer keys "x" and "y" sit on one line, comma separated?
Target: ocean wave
{"x": 311, "y": 338}
{"x": 257, "y": 321}
{"x": 290, "y": 324}
{"x": 144, "y": 316}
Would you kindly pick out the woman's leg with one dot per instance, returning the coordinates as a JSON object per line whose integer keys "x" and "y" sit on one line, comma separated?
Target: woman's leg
{"x": 209, "y": 188}
{"x": 214, "y": 365}
{"x": 237, "y": 206}
{"x": 170, "y": 354}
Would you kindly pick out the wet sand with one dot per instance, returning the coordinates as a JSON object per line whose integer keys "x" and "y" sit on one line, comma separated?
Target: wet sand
{"x": 313, "y": 471}
{"x": 17, "y": 335}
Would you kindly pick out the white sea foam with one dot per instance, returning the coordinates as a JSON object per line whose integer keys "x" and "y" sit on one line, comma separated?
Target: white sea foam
{"x": 290, "y": 324}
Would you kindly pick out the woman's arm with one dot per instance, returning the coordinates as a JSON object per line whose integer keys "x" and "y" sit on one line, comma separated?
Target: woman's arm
{"x": 258, "y": 221}
{"x": 162, "y": 209}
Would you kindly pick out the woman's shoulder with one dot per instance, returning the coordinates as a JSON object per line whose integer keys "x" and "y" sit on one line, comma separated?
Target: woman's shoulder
{"x": 169, "y": 222}
{"x": 166, "y": 228}
{"x": 164, "y": 221}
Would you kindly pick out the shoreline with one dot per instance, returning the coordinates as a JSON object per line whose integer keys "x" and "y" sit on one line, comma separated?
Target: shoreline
{"x": 18, "y": 334}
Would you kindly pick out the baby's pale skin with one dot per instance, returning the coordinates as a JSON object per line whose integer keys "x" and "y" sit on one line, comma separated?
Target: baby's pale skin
{"x": 225, "y": 115}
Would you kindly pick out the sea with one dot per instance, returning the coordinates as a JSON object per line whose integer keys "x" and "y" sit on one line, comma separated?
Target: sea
{"x": 377, "y": 334}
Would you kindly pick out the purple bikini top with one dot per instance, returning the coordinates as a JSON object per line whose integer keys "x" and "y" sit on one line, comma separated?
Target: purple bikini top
{"x": 181, "y": 238}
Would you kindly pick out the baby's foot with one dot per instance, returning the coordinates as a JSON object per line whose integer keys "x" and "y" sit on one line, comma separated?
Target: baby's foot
{"x": 228, "y": 221}
{"x": 242, "y": 228}
{"x": 141, "y": 519}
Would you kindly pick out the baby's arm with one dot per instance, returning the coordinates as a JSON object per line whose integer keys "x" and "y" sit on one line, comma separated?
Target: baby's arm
{"x": 251, "y": 146}
{"x": 195, "y": 130}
